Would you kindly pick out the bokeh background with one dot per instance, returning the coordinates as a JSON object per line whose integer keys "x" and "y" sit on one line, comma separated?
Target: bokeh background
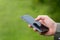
{"x": 12, "y": 27}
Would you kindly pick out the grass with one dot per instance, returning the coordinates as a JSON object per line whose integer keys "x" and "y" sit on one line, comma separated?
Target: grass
{"x": 11, "y": 25}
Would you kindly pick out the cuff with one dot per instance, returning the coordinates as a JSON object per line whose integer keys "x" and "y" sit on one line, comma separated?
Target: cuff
{"x": 58, "y": 27}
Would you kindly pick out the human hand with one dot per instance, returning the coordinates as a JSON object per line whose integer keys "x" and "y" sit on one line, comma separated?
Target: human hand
{"x": 48, "y": 22}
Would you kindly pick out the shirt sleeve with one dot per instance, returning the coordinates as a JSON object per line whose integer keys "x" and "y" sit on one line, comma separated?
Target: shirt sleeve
{"x": 58, "y": 27}
{"x": 57, "y": 34}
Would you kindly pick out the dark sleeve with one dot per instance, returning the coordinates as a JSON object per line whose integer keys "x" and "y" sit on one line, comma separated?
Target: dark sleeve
{"x": 57, "y": 34}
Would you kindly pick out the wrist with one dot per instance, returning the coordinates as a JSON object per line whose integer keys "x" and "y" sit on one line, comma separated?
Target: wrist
{"x": 55, "y": 26}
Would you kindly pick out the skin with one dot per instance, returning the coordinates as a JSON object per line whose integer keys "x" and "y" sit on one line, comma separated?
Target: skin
{"x": 48, "y": 22}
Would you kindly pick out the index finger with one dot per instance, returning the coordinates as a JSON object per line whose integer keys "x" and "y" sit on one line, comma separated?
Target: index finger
{"x": 30, "y": 26}
{"x": 41, "y": 17}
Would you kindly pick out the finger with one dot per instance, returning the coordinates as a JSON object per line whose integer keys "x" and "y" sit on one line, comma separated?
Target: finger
{"x": 42, "y": 17}
{"x": 35, "y": 29}
{"x": 29, "y": 26}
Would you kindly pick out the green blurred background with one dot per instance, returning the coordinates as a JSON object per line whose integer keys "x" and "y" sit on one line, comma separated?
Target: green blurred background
{"x": 12, "y": 27}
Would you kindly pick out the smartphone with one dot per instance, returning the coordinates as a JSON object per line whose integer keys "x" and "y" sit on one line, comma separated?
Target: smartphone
{"x": 35, "y": 24}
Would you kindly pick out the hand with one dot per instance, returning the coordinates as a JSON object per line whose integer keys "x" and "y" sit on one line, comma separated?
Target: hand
{"x": 48, "y": 22}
